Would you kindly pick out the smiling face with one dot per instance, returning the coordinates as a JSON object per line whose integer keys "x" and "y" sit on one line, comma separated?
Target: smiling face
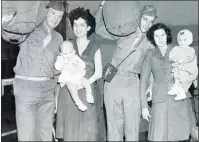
{"x": 146, "y": 22}
{"x": 53, "y": 18}
{"x": 185, "y": 38}
{"x": 80, "y": 28}
{"x": 160, "y": 37}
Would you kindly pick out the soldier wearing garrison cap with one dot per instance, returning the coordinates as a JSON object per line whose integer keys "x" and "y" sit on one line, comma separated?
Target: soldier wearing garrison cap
{"x": 121, "y": 95}
{"x": 149, "y": 10}
{"x": 34, "y": 81}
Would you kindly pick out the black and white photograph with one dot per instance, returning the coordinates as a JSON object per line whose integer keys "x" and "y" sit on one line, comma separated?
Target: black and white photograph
{"x": 99, "y": 71}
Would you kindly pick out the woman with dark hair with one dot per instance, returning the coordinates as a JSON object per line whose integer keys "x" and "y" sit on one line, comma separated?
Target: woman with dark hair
{"x": 73, "y": 124}
{"x": 170, "y": 119}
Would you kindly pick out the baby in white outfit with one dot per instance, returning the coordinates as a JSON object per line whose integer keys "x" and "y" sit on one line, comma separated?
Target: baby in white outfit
{"x": 184, "y": 62}
{"x": 72, "y": 69}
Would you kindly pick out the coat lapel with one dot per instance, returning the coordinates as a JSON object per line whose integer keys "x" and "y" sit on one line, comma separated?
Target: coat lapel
{"x": 168, "y": 51}
{"x": 159, "y": 54}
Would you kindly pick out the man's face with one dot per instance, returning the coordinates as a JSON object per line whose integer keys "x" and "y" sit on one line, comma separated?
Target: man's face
{"x": 146, "y": 22}
{"x": 53, "y": 18}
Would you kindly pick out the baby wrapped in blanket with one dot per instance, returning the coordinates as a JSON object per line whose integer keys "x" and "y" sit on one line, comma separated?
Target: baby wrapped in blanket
{"x": 72, "y": 69}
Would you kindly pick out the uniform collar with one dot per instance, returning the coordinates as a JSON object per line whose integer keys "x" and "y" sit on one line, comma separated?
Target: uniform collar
{"x": 159, "y": 54}
{"x": 46, "y": 28}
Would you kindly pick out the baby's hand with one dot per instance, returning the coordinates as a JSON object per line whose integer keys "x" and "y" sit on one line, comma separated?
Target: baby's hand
{"x": 179, "y": 61}
{"x": 62, "y": 84}
{"x": 176, "y": 74}
{"x": 175, "y": 64}
{"x": 81, "y": 106}
{"x": 89, "y": 98}
{"x": 174, "y": 70}
{"x": 180, "y": 67}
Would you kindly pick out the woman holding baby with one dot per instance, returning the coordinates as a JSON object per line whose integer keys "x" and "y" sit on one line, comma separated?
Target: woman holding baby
{"x": 170, "y": 118}
{"x": 73, "y": 124}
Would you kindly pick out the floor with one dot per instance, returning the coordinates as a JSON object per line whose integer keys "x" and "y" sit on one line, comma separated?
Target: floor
{"x": 8, "y": 122}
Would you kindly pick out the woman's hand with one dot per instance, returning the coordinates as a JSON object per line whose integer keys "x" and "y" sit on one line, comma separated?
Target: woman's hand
{"x": 145, "y": 114}
{"x": 176, "y": 74}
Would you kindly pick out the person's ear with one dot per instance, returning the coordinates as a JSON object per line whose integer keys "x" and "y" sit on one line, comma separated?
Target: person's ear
{"x": 88, "y": 28}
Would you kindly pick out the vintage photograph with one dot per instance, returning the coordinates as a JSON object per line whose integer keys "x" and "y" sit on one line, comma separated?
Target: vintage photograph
{"x": 99, "y": 71}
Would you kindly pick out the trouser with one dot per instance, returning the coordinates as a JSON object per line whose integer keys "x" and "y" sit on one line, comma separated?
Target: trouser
{"x": 122, "y": 103}
{"x": 34, "y": 102}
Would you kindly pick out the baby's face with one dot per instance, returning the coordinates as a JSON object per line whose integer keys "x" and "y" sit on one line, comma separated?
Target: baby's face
{"x": 67, "y": 50}
{"x": 184, "y": 39}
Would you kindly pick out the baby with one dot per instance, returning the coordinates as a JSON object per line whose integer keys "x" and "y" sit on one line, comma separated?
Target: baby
{"x": 72, "y": 69}
{"x": 184, "y": 62}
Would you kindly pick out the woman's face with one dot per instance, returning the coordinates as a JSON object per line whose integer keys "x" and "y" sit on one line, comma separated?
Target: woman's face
{"x": 80, "y": 27}
{"x": 160, "y": 37}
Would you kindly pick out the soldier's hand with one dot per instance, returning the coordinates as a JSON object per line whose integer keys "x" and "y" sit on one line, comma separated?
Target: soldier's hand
{"x": 102, "y": 3}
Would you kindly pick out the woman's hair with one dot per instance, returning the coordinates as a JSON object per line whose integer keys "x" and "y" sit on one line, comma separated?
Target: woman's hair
{"x": 77, "y": 13}
{"x": 155, "y": 27}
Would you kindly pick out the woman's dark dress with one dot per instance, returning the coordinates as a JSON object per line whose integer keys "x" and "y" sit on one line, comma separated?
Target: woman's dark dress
{"x": 73, "y": 124}
{"x": 170, "y": 119}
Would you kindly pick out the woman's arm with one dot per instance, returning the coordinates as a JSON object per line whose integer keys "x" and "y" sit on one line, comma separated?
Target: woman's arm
{"x": 149, "y": 90}
{"x": 190, "y": 67}
{"x": 98, "y": 67}
{"x": 188, "y": 57}
{"x": 145, "y": 75}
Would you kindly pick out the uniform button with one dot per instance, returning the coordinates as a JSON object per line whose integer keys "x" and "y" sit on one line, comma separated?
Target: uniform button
{"x": 41, "y": 59}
